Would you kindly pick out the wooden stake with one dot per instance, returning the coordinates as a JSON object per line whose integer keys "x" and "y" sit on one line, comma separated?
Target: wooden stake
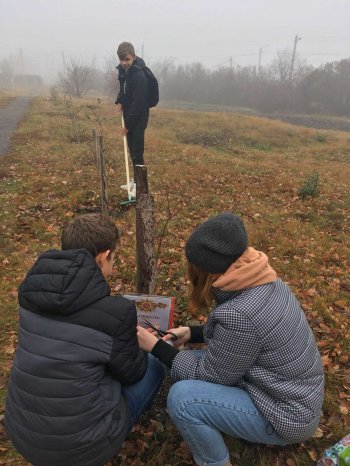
{"x": 95, "y": 141}
{"x": 144, "y": 232}
{"x": 103, "y": 177}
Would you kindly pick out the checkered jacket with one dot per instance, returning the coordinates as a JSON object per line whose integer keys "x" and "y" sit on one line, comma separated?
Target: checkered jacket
{"x": 259, "y": 340}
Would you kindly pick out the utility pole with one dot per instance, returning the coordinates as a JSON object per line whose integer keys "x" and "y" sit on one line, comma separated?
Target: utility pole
{"x": 259, "y": 62}
{"x": 47, "y": 65}
{"x": 64, "y": 62}
{"x": 296, "y": 40}
{"x": 230, "y": 63}
{"x": 143, "y": 51}
{"x": 21, "y": 62}
{"x": 260, "y": 57}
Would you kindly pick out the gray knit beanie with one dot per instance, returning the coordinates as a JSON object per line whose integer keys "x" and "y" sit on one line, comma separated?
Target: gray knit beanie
{"x": 217, "y": 243}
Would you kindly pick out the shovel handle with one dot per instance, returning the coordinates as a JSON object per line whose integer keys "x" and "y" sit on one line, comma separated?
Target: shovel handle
{"x": 126, "y": 159}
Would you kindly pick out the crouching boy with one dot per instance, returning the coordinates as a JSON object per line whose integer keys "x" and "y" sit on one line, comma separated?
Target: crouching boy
{"x": 79, "y": 380}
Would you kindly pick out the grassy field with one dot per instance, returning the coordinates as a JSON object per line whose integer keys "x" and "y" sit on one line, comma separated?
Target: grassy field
{"x": 199, "y": 164}
{"x": 314, "y": 120}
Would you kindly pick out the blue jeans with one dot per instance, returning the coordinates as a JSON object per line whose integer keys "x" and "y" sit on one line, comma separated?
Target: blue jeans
{"x": 140, "y": 394}
{"x": 202, "y": 410}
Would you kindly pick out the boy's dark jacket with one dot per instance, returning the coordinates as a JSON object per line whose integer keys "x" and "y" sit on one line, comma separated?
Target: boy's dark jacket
{"x": 133, "y": 93}
{"x": 77, "y": 345}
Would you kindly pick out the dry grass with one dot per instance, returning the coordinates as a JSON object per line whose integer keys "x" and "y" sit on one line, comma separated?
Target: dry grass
{"x": 206, "y": 163}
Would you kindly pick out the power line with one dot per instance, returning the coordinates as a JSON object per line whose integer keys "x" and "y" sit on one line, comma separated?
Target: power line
{"x": 328, "y": 54}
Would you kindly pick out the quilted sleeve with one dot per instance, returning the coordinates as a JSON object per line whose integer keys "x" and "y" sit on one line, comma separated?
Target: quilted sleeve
{"x": 231, "y": 351}
{"x": 128, "y": 363}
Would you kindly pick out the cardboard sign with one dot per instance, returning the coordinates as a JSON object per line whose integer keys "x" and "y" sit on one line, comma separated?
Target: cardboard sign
{"x": 158, "y": 310}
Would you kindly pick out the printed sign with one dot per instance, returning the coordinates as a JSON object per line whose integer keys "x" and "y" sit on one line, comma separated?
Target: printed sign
{"x": 158, "y": 310}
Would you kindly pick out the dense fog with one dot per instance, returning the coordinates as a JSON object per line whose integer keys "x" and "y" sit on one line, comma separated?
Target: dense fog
{"x": 272, "y": 55}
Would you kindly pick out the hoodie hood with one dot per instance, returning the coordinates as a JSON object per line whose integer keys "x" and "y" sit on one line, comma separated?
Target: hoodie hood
{"x": 251, "y": 269}
{"x": 138, "y": 64}
{"x": 62, "y": 282}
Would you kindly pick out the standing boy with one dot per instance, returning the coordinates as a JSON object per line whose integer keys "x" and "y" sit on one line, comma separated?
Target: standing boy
{"x": 133, "y": 99}
{"x": 79, "y": 380}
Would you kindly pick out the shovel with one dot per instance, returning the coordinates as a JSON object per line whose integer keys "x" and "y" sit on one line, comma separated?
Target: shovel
{"x": 131, "y": 197}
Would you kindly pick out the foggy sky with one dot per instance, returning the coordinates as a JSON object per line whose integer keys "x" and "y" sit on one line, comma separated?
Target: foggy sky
{"x": 185, "y": 30}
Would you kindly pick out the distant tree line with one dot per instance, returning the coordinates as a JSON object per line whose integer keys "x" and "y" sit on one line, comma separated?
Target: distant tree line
{"x": 275, "y": 88}
{"x": 287, "y": 84}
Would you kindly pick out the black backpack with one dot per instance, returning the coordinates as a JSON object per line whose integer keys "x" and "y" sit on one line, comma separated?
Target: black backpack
{"x": 153, "y": 89}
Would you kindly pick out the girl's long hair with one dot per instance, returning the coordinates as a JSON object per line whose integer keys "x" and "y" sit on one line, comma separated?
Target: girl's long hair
{"x": 200, "y": 289}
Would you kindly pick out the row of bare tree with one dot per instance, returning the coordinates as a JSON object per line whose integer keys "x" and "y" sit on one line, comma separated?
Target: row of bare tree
{"x": 273, "y": 88}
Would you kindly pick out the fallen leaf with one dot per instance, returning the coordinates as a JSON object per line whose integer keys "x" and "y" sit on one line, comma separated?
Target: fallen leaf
{"x": 157, "y": 426}
{"x": 344, "y": 409}
{"x": 326, "y": 360}
{"x": 318, "y": 433}
{"x": 51, "y": 228}
{"x": 340, "y": 303}
{"x": 10, "y": 349}
{"x": 313, "y": 454}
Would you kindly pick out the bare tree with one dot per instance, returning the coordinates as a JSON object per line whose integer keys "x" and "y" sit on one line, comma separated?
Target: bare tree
{"x": 302, "y": 69}
{"x": 111, "y": 86}
{"x": 78, "y": 78}
{"x": 279, "y": 70}
{"x": 163, "y": 68}
{"x": 280, "y": 66}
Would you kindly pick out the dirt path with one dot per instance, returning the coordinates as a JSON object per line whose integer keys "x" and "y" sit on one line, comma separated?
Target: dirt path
{"x": 10, "y": 116}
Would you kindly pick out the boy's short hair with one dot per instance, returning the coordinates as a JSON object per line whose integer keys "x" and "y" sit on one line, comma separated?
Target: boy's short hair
{"x": 124, "y": 49}
{"x": 94, "y": 232}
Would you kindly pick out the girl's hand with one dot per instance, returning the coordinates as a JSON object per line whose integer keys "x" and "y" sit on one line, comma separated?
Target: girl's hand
{"x": 146, "y": 339}
{"x": 183, "y": 335}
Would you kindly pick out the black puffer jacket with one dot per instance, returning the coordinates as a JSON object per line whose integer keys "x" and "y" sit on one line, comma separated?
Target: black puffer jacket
{"x": 77, "y": 345}
{"x": 133, "y": 93}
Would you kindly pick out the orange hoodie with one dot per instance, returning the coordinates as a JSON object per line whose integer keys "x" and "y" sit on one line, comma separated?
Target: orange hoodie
{"x": 250, "y": 269}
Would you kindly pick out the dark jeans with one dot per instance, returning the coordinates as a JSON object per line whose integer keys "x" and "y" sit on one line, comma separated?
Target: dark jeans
{"x": 140, "y": 395}
{"x": 136, "y": 139}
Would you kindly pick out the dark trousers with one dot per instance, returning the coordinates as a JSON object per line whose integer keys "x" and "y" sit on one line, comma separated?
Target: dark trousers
{"x": 136, "y": 140}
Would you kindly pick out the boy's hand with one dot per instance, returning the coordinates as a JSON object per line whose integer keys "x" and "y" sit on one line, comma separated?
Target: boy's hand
{"x": 119, "y": 108}
{"x": 146, "y": 339}
{"x": 183, "y": 335}
{"x": 124, "y": 131}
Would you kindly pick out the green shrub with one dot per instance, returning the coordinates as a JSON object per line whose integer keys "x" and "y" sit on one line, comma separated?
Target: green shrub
{"x": 321, "y": 137}
{"x": 311, "y": 186}
{"x": 262, "y": 146}
{"x": 54, "y": 97}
